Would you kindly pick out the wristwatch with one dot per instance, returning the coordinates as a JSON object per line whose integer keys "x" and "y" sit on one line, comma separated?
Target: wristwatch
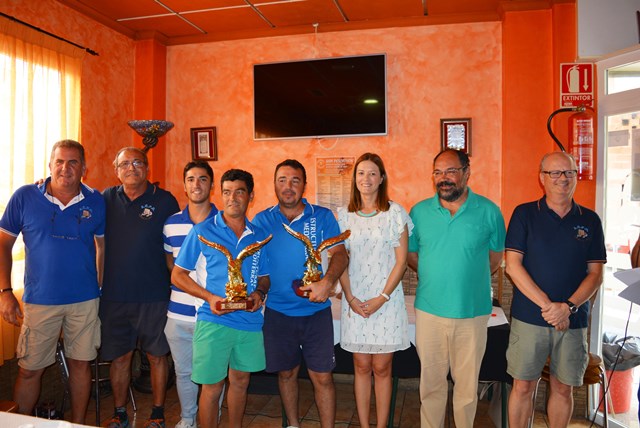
{"x": 572, "y": 308}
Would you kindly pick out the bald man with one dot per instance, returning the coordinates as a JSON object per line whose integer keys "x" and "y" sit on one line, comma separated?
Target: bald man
{"x": 555, "y": 255}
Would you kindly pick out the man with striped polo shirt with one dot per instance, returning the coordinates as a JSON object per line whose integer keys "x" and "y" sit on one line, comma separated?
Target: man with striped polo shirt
{"x": 181, "y": 315}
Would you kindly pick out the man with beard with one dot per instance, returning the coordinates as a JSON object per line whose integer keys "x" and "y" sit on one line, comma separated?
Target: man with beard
{"x": 295, "y": 327}
{"x": 457, "y": 243}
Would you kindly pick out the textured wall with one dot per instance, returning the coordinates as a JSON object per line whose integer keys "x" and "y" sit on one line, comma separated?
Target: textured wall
{"x": 433, "y": 72}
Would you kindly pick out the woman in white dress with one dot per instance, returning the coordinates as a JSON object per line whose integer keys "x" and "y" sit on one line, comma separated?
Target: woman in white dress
{"x": 374, "y": 317}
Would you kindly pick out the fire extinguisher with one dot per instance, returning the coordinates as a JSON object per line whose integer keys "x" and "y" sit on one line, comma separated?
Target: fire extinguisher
{"x": 581, "y": 139}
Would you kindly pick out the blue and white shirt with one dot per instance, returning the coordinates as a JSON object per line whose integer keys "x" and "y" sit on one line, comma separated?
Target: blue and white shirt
{"x": 211, "y": 267}
{"x": 287, "y": 255}
{"x": 182, "y": 305}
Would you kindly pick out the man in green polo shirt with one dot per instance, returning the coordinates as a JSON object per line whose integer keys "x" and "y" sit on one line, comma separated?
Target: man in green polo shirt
{"x": 458, "y": 241}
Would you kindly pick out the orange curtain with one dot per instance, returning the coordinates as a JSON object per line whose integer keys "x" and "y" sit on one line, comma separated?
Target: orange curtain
{"x": 39, "y": 105}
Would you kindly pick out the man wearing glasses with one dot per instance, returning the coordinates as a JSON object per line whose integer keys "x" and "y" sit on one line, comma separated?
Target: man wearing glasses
{"x": 62, "y": 222}
{"x": 555, "y": 254}
{"x": 456, "y": 244}
{"x": 135, "y": 295}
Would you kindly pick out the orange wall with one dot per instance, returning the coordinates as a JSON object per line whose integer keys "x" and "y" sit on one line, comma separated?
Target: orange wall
{"x": 501, "y": 74}
{"x": 433, "y": 72}
{"x": 535, "y": 43}
{"x": 107, "y": 81}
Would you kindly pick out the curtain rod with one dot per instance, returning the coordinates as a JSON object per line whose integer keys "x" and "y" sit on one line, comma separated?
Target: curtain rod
{"x": 91, "y": 51}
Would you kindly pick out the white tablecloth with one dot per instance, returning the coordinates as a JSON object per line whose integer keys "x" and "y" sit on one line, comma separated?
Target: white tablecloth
{"x": 497, "y": 317}
{"x": 16, "y": 420}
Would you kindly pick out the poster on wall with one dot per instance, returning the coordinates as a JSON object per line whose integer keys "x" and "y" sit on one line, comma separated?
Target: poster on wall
{"x": 333, "y": 181}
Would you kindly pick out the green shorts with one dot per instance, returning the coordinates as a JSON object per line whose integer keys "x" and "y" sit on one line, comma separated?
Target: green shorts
{"x": 530, "y": 346}
{"x": 216, "y": 348}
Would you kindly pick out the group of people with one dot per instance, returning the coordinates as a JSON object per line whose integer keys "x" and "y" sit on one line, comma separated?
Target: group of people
{"x": 132, "y": 243}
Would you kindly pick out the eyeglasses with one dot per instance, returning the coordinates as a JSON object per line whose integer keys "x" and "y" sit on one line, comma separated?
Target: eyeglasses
{"x": 449, "y": 172}
{"x": 570, "y": 173}
{"x": 126, "y": 164}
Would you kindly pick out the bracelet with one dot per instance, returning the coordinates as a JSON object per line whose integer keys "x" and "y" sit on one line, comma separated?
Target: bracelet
{"x": 263, "y": 295}
{"x": 6, "y": 289}
{"x": 352, "y": 298}
{"x": 385, "y": 295}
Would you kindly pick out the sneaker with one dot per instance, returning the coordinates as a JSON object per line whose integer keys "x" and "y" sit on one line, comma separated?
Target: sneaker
{"x": 154, "y": 423}
{"x": 117, "y": 422}
{"x": 184, "y": 423}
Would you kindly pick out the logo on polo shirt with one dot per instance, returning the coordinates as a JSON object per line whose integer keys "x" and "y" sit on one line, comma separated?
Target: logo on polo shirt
{"x": 582, "y": 232}
{"x": 85, "y": 213}
{"x": 147, "y": 211}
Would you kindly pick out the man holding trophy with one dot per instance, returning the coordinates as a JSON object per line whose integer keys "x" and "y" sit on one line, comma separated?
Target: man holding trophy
{"x": 226, "y": 254}
{"x": 298, "y": 322}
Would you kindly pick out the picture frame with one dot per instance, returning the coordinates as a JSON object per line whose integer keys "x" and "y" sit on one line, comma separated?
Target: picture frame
{"x": 456, "y": 134}
{"x": 204, "y": 144}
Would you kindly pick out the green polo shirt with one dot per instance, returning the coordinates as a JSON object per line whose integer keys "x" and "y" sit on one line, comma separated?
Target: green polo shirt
{"x": 454, "y": 277}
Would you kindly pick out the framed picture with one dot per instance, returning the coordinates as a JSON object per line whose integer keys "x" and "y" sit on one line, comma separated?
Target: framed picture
{"x": 456, "y": 134}
{"x": 203, "y": 143}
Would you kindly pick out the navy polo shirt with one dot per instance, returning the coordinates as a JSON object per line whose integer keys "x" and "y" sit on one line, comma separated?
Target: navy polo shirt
{"x": 555, "y": 252}
{"x": 135, "y": 266}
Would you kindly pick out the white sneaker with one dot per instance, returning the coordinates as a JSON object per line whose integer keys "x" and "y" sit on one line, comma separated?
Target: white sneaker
{"x": 184, "y": 423}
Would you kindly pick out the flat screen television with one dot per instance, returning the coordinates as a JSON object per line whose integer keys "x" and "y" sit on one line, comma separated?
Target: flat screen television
{"x": 330, "y": 97}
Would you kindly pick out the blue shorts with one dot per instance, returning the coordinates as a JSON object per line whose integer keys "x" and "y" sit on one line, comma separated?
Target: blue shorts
{"x": 124, "y": 325}
{"x": 287, "y": 339}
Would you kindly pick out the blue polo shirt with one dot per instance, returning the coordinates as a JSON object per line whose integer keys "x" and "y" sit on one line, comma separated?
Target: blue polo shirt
{"x": 135, "y": 265}
{"x": 555, "y": 252}
{"x": 60, "y": 251}
{"x": 454, "y": 274}
{"x": 287, "y": 255}
{"x": 177, "y": 227}
{"x": 211, "y": 267}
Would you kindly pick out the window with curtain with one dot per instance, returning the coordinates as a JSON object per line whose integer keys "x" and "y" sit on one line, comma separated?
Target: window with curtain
{"x": 39, "y": 105}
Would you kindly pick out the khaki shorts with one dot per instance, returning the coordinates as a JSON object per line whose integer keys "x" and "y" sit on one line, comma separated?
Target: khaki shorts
{"x": 530, "y": 346}
{"x": 41, "y": 328}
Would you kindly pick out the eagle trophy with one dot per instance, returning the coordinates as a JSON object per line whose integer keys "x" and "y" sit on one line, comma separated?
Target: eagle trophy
{"x": 235, "y": 288}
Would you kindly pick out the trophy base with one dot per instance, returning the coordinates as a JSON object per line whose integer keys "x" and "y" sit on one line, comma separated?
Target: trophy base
{"x": 234, "y": 305}
{"x": 296, "y": 284}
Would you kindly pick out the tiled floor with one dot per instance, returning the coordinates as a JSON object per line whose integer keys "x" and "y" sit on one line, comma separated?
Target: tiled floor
{"x": 264, "y": 410}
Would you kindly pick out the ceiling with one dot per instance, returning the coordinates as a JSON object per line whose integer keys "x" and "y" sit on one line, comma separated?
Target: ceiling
{"x": 194, "y": 21}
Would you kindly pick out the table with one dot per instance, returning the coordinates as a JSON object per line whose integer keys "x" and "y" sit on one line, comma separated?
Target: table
{"x": 406, "y": 364}
{"x": 16, "y": 420}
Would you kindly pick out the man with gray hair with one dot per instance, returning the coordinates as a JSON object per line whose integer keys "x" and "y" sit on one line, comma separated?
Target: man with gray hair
{"x": 555, "y": 255}
{"x": 135, "y": 295}
{"x": 62, "y": 222}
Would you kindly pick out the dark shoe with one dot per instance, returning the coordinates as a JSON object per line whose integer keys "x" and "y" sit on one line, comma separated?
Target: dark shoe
{"x": 154, "y": 423}
{"x": 117, "y": 422}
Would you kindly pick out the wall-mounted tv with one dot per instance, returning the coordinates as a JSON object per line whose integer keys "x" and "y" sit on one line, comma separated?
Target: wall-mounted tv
{"x": 330, "y": 97}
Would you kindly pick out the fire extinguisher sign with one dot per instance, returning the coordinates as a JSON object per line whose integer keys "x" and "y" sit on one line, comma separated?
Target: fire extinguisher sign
{"x": 576, "y": 84}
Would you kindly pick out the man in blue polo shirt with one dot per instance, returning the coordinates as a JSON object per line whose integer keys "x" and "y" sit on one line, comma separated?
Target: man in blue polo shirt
{"x": 456, "y": 244}
{"x": 135, "y": 294}
{"x": 296, "y": 327}
{"x": 62, "y": 223}
{"x": 181, "y": 315}
{"x": 225, "y": 343}
{"x": 555, "y": 254}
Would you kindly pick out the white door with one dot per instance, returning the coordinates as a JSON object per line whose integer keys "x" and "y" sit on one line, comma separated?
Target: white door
{"x": 618, "y": 203}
